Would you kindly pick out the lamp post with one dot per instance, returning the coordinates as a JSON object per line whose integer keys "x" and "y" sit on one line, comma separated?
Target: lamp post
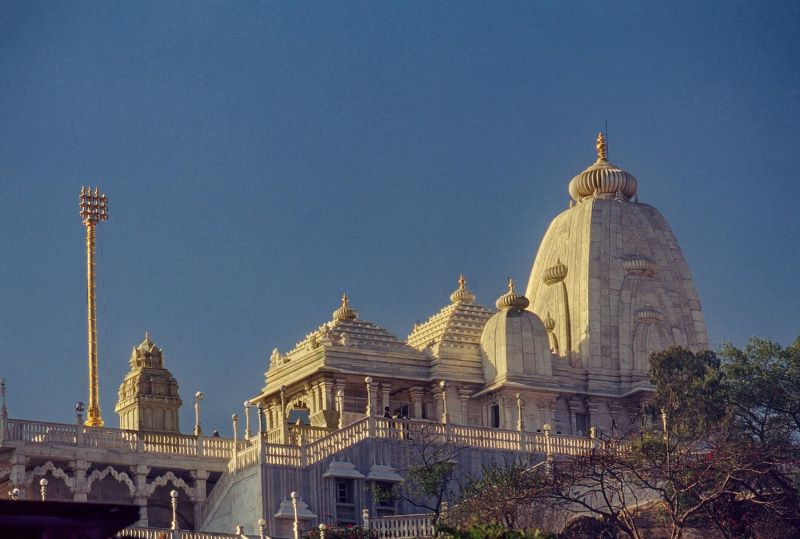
{"x": 262, "y": 527}
{"x": 173, "y": 500}
{"x": 93, "y": 209}
{"x": 247, "y": 432}
{"x": 296, "y": 523}
{"x": 198, "y": 430}
{"x": 322, "y": 529}
{"x": 368, "y": 382}
{"x": 43, "y": 488}
{"x": 79, "y": 408}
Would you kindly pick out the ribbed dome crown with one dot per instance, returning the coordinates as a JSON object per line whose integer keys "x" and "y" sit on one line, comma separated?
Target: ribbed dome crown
{"x": 514, "y": 341}
{"x": 345, "y": 312}
{"x": 602, "y": 179}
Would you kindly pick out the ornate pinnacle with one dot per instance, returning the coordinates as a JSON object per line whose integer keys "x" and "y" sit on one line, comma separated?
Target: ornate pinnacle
{"x": 345, "y": 312}
{"x": 462, "y": 294}
{"x": 602, "y": 147}
{"x": 510, "y": 285}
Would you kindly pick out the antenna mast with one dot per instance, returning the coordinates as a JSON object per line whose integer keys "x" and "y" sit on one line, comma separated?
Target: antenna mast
{"x": 93, "y": 209}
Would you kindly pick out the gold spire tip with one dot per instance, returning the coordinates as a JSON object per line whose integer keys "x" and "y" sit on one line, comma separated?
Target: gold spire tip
{"x": 602, "y": 147}
{"x": 462, "y": 282}
{"x": 511, "y": 285}
{"x": 345, "y": 300}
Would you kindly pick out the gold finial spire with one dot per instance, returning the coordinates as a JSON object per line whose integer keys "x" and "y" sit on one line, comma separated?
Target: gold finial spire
{"x": 602, "y": 147}
{"x": 345, "y": 300}
{"x": 511, "y": 285}
{"x": 462, "y": 282}
{"x": 93, "y": 209}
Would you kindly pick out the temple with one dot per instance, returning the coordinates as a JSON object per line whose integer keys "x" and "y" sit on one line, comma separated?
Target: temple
{"x": 337, "y": 418}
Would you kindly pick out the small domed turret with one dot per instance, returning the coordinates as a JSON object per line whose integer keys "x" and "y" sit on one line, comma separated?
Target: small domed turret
{"x": 514, "y": 342}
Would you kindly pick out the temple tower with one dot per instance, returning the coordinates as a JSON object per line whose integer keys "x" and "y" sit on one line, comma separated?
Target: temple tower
{"x": 148, "y": 397}
{"x": 611, "y": 282}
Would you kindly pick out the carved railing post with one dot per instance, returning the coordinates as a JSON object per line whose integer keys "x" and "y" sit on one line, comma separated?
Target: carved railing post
{"x": 520, "y": 422}
{"x": 548, "y": 448}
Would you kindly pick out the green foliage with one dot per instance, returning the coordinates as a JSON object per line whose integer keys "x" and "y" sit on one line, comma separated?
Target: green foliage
{"x": 763, "y": 385}
{"x": 689, "y": 388}
{"x": 491, "y": 531}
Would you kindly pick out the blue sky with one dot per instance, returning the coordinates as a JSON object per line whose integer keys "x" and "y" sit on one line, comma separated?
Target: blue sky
{"x": 263, "y": 157}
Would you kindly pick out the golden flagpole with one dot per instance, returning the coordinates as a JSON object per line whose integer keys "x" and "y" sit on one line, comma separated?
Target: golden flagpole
{"x": 94, "y": 208}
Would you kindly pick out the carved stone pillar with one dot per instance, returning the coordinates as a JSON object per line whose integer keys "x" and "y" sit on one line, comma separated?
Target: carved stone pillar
{"x": 200, "y": 477}
{"x": 18, "y": 464}
{"x": 415, "y": 394}
{"x": 326, "y": 386}
{"x": 325, "y": 416}
{"x": 595, "y": 417}
{"x": 508, "y": 412}
{"x": 140, "y": 472}
{"x": 81, "y": 491}
{"x": 463, "y": 397}
{"x": 575, "y": 408}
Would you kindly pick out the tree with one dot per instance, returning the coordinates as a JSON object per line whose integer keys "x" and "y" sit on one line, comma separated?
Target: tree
{"x": 510, "y": 496}
{"x": 430, "y": 471}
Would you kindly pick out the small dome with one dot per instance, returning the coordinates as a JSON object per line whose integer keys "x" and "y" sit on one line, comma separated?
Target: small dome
{"x": 462, "y": 294}
{"x": 345, "y": 312}
{"x": 602, "y": 179}
{"x": 512, "y": 300}
{"x": 514, "y": 342}
{"x": 555, "y": 274}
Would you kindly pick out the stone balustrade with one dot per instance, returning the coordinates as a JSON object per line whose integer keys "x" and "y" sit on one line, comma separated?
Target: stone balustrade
{"x": 403, "y": 526}
{"x": 59, "y": 434}
{"x": 158, "y": 533}
{"x": 317, "y": 443}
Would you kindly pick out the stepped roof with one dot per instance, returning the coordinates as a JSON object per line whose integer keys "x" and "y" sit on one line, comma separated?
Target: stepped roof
{"x": 459, "y": 324}
{"x": 346, "y": 329}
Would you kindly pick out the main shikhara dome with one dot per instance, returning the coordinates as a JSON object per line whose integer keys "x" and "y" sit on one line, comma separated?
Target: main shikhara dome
{"x": 611, "y": 275}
